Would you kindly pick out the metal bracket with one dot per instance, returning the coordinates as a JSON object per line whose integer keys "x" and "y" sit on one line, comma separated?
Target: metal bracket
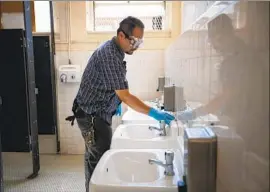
{"x": 36, "y": 91}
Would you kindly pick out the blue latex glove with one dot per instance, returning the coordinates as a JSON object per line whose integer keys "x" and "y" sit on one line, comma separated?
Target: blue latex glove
{"x": 118, "y": 110}
{"x": 160, "y": 115}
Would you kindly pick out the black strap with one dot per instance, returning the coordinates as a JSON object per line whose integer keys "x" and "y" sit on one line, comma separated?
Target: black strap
{"x": 71, "y": 118}
{"x": 75, "y": 109}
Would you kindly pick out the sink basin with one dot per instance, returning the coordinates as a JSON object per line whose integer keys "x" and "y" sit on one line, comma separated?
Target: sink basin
{"x": 138, "y": 170}
{"x": 138, "y": 132}
{"x": 128, "y": 170}
{"x": 139, "y": 136}
{"x": 133, "y": 117}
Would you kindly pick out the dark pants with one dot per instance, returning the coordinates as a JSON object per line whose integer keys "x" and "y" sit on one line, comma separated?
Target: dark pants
{"x": 102, "y": 138}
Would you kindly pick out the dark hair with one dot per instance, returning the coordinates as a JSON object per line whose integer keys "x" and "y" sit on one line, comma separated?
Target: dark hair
{"x": 128, "y": 24}
{"x": 222, "y": 24}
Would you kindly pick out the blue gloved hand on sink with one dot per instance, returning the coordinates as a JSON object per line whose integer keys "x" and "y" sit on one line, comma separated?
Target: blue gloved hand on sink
{"x": 161, "y": 115}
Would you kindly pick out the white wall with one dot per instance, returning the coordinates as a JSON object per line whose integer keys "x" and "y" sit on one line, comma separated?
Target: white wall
{"x": 190, "y": 63}
{"x": 243, "y": 150}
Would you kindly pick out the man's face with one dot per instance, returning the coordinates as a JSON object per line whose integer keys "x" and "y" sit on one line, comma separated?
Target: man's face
{"x": 131, "y": 43}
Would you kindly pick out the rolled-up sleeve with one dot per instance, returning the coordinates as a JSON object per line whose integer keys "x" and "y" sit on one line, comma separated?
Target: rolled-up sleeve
{"x": 114, "y": 73}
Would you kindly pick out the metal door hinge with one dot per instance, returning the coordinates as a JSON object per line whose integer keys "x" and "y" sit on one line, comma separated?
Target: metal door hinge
{"x": 24, "y": 42}
{"x": 36, "y": 91}
{"x": 46, "y": 44}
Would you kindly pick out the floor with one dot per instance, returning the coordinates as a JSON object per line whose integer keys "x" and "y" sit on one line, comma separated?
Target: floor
{"x": 58, "y": 173}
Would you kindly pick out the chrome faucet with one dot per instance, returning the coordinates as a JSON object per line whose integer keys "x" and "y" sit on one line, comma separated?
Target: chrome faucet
{"x": 168, "y": 165}
{"x": 162, "y": 128}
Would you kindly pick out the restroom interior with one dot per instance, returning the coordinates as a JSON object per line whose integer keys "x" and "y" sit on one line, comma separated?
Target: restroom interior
{"x": 176, "y": 46}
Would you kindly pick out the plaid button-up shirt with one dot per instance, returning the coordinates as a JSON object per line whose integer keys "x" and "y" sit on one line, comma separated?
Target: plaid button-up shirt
{"x": 104, "y": 73}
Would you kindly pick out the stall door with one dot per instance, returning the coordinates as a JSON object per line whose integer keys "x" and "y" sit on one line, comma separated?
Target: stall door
{"x": 14, "y": 120}
{"x": 43, "y": 78}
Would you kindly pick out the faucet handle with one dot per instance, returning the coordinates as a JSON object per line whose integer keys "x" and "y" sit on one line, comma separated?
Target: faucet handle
{"x": 169, "y": 156}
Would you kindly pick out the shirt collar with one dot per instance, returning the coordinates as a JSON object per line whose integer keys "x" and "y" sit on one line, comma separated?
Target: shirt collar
{"x": 118, "y": 47}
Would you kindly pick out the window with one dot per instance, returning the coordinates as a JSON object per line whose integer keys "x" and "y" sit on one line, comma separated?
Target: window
{"x": 42, "y": 16}
{"x": 106, "y": 15}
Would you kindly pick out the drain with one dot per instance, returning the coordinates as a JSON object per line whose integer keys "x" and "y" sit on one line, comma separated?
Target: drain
{"x": 107, "y": 170}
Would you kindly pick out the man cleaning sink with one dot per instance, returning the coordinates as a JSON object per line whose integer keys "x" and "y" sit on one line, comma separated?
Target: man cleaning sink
{"x": 103, "y": 88}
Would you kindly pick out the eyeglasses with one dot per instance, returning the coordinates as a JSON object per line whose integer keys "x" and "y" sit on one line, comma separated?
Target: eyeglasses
{"x": 134, "y": 41}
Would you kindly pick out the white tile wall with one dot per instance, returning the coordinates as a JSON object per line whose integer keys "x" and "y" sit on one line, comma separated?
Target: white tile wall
{"x": 143, "y": 70}
{"x": 243, "y": 153}
{"x": 187, "y": 64}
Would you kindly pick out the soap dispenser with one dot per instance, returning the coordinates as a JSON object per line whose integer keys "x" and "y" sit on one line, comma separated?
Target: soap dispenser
{"x": 174, "y": 98}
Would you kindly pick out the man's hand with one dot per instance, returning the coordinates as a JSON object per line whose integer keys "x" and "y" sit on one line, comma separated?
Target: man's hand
{"x": 139, "y": 106}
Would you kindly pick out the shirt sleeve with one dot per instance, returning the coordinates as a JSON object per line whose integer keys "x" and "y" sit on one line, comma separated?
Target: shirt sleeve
{"x": 114, "y": 73}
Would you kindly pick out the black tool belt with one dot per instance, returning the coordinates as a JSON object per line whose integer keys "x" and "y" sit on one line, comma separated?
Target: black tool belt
{"x": 77, "y": 113}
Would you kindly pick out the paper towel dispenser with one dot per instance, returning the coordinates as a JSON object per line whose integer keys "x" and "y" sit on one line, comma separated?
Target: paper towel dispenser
{"x": 200, "y": 159}
{"x": 161, "y": 84}
{"x": 174, "y": 98}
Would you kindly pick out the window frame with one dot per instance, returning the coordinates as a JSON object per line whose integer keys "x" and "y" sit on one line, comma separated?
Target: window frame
{"x": 90, "y": 13}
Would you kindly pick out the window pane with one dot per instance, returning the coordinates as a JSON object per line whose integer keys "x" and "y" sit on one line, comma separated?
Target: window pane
{"x": 110, "y": 2}
{"x": 42, "y": 16}
{"x": 108, "y": 17}
{"x": 146, "y": 2}
{"x": 126, "y": 10}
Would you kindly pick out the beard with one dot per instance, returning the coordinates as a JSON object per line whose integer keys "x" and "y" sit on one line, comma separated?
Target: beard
{"x": 131, "y": 51}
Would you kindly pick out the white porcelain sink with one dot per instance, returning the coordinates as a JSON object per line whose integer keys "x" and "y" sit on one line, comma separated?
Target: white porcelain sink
{"x": 139, "y": 132}
{"x": 128, "y": 170}
{"x": 139, "y": 136}
{"x": 133, "y": 117}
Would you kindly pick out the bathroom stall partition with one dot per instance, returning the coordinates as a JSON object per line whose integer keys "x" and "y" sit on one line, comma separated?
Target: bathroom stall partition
{"x": 19, "y": 130}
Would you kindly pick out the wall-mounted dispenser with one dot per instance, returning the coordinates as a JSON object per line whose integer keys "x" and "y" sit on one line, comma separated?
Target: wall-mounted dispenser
{"x": 160, "y": 88}
{"x": 200, "y": 159}
{"x": 174, "y": 98}
{"x": 161, "y": 84}
{"x": 69, "y": 73}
